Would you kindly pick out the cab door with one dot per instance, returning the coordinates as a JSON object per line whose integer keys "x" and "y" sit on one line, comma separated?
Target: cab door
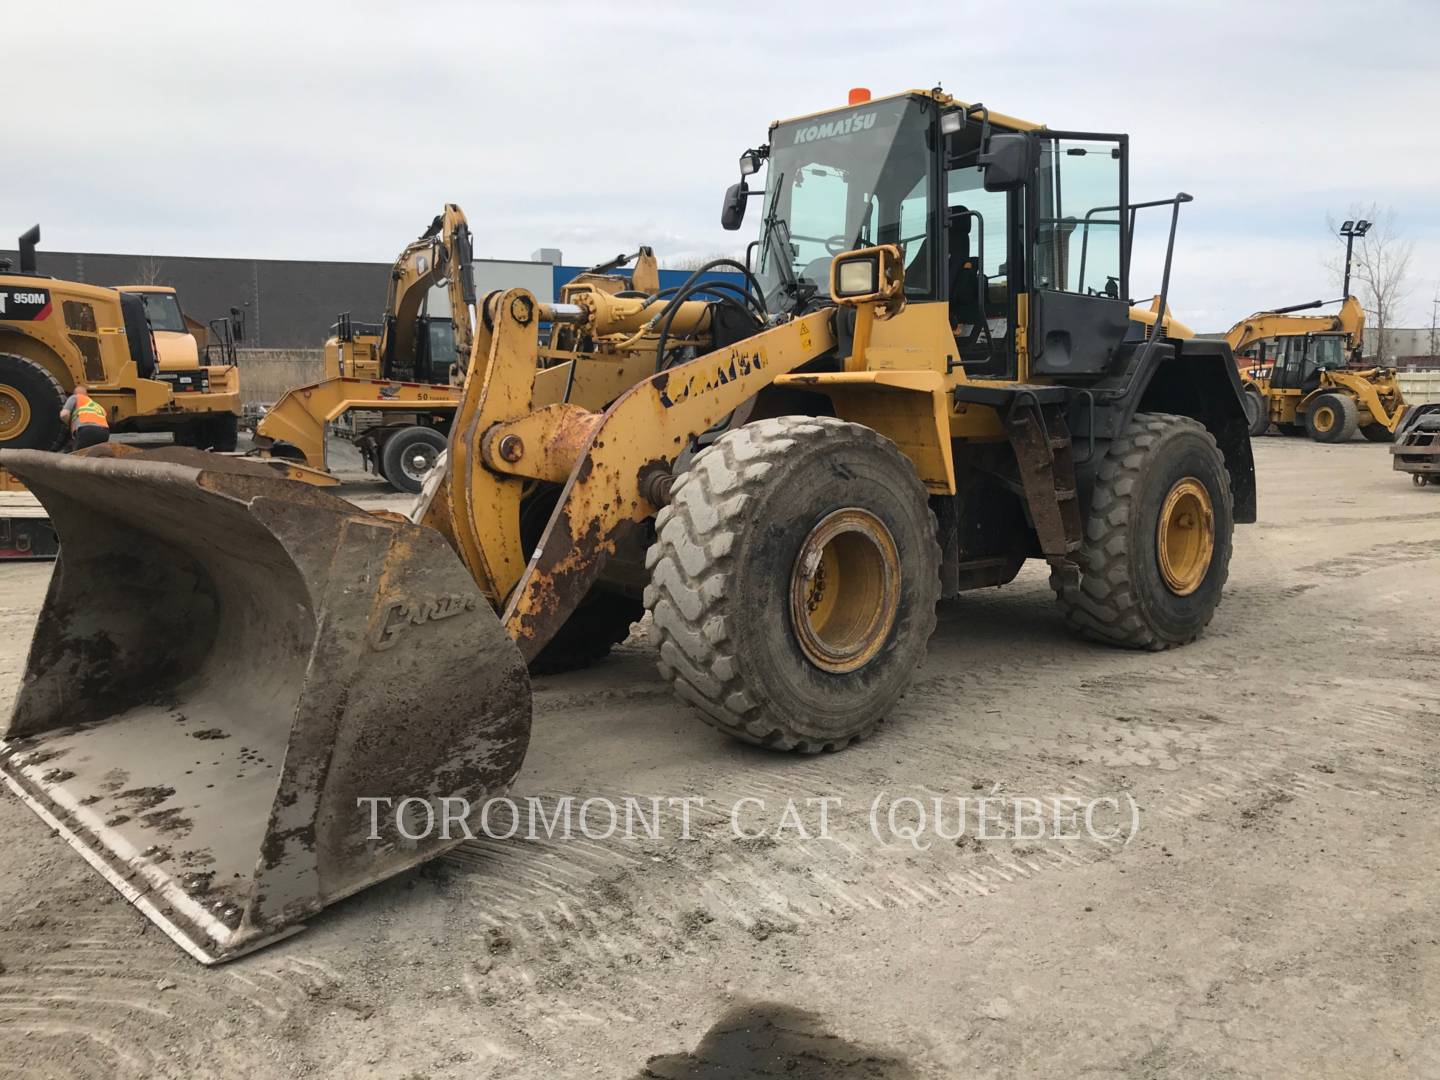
{"x": 1079, "y": 254}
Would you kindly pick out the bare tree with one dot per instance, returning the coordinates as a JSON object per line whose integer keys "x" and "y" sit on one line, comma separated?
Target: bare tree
{"x": 1380, "y": 271}
{"x": 150, "y": 271}
{"x": 1434, "y": 321}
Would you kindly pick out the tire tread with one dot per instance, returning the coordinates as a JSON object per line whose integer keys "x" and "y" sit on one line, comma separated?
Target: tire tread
{"x": 689, "y": 563}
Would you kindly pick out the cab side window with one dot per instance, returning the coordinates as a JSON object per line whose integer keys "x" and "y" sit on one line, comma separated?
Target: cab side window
{"x": 1078, "y": 234}
{"x": 978, "y": 268}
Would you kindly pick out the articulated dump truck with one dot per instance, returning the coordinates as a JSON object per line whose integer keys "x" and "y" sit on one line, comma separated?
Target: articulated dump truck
{"x": 932, "y": 374}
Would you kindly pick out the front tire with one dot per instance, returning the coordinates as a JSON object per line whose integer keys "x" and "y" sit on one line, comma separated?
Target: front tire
{"x": 793, "y": 582}
{"x": 30, "y": 401}
{"x": 1156, "y": 550}
{"x": 1257, "y": 412}
{"x": 1333, "y": 418}
{"x": 1377, "y": 433}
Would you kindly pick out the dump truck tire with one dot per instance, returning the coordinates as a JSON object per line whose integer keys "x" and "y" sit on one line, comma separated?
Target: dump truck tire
{"x": 1333, "y": 418}
{"x": 748, "y": 632}
{"x": 1128, "y": 594}
{"x": 220, "y": 433}
{"x": 408, "y": 456}
{"x": 1377, "y": 433}
{"x": 30, "y": 401}
{"x": 601, "y": 622}
{"x": 1257, "y": 412}
{"x": 224, "y": 433}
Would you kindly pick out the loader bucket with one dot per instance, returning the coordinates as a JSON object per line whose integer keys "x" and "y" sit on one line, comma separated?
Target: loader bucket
{"x": 225, "y": 665}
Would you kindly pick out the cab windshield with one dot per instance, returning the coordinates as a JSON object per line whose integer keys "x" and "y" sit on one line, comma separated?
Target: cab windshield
{"x": 1327, "y": 351}
{"x": 846, "y": 180}
{"x": 162, "y": 311}
{"x": 1319, "y": 350}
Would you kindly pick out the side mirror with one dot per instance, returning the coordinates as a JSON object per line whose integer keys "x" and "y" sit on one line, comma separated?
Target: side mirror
{"x": 1008, "y": 161}
{"x": 732, "y": 214}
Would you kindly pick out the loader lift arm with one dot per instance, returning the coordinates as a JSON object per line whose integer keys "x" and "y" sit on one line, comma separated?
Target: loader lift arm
{"x": 615, "y": 463}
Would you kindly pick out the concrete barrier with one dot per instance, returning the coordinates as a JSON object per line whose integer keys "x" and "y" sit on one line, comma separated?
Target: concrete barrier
{"x": 1420, "y": 387}
{"x": 265, "y": 374}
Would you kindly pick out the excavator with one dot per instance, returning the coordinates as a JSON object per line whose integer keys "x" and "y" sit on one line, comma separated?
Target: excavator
{"x": 930, "y": 373}
{"x": 389, "y": 382}
{"x": 1303, "y": 374}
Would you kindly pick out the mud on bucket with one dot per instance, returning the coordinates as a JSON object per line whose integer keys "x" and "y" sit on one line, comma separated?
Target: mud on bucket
{"x": 225, "y": 663}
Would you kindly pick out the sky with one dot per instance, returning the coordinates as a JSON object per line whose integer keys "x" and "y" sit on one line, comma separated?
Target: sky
{"x": 320, "y": 130}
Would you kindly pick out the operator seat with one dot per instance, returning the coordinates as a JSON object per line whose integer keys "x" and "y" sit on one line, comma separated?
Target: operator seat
{"x": 965, "y": 306}
{"x": 979, "y": 352}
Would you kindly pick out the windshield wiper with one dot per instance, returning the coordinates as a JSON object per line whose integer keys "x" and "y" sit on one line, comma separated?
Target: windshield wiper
{"x": 777, "y": 240}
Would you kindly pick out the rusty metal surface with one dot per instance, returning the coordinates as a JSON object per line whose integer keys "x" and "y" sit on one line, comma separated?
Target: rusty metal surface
{"x": 1041, "y": 442}
{"x": 601, "y": 506}
{"x": 224, "y": 663}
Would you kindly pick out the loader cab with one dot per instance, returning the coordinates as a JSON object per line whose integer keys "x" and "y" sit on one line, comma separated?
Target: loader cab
{"x": 1299, "y": 359}
{"x": 1014, "y": 233}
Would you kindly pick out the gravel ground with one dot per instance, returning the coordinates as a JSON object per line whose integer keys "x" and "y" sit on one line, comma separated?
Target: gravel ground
{"x": 1267, "y": 908}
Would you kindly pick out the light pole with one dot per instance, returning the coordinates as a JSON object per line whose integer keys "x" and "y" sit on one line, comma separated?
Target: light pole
{"x": 1350, "y": 230}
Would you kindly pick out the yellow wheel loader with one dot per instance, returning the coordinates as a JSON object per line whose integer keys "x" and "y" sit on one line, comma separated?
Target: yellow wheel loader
{"x": 1300, "y": 374}
{"x": 124, "y": 344}
{"x": 932, "y": 374}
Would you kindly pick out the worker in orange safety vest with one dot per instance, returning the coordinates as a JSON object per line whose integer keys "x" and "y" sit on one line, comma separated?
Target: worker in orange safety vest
{"x": 86, "y": 417}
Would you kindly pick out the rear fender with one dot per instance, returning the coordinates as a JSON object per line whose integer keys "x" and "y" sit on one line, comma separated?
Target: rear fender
{"x": 1199, "y": 379}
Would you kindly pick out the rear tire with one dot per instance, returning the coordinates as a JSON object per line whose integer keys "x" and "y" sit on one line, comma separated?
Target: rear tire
{"x": 224, "y": 433}
{"x": 30, "y": 402}
{"x": 753, "y": 631}
{"x": 408, "y": 456}
{"x": 1257, "y": 412}
{"x": 1377, "y": 433}
{"x": 220, "y": 433}
{"x": 1333, "y": 418}
{"x": 1125, "y": 595}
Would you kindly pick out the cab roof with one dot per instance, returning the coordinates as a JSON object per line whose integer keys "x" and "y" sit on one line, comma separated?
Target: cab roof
{"x": 937, "y": 95}
{"x": 146, "y": 289}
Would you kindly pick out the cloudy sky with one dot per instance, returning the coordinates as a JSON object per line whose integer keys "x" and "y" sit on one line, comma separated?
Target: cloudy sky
{"x": 325, "y": 130}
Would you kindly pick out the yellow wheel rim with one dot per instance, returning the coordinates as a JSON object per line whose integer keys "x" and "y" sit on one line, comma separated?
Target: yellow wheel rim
{"x": 14, "y": 413}
{"x": 1185, "y": 539}
{"x": 1324, "y": 418}
{"x": 845, "y": 590}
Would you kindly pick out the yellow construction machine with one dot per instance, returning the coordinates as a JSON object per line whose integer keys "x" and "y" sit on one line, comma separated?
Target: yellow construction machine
{"x": 389, "y": 384}
{"x": 931, "y": 375}
{"x": 1302, "y": 373}
{"x": 199, "y": 364}
{"x": 55, "y": 334}
{"x": 392, "y": 387}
